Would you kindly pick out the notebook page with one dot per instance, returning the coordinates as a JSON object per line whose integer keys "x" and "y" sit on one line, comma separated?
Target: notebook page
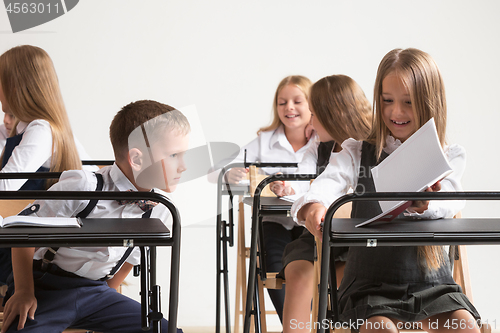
{"x": 418, "y": 163}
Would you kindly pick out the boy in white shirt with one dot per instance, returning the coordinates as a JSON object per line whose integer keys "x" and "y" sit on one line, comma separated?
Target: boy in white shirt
{"x": 71, "y": 290}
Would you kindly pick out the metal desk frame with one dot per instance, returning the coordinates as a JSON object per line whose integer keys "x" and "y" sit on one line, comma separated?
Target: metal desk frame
{"x": 252, "y": 301}
{"x": 150, "y": 291}
{"x": 225, "y": 236}
{"x": 332, "y": 237}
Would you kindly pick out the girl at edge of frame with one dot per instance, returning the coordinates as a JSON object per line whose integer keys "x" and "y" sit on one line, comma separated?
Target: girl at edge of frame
{"x": 340, "y": 111}
{"x": 285, "y": 140}
{"x": 41, "y": 138}
{"x": 388, "y": 286}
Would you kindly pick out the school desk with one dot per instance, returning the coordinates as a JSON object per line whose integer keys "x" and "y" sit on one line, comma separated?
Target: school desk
{"x": 225, "y": 233}
{"x": 263, "y": 206}
{"x": 144, "y": 233}
{"x": 399, "y": 232}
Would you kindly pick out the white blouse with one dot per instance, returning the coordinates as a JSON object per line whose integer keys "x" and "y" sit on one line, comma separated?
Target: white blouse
{"x": 3, "y": 136}
{"x": 34, "y": 151}
{"x": 342, "y": 174}
{"x": 273, "y": 146}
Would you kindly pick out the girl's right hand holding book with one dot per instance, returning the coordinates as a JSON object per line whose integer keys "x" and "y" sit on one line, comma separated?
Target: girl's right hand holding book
{"x": 314, "y": 215}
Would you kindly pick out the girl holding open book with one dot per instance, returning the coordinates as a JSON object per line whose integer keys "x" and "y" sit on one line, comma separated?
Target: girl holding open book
{"x": 387, "y": 286}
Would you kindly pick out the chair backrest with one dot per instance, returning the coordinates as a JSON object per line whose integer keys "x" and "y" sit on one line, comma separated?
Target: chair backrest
{"x": 12, "y": 207}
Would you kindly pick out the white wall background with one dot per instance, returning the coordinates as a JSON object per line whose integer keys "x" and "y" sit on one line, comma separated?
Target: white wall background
{"x": 227, "y": 57}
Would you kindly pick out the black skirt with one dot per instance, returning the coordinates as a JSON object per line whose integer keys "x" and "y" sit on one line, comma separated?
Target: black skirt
{"x": 406, "y": 302}
{"x": 303, "y": 248}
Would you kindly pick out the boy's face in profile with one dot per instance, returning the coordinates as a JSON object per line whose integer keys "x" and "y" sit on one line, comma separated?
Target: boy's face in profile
{"x": 168, "y": 155}
{"x": 171, "y": 151}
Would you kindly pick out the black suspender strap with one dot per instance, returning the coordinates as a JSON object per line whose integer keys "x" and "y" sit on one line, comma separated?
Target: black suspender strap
{"x": 120, "y": 262}
{"x": 51, "y": 252}
{"x": 92, "y": 203}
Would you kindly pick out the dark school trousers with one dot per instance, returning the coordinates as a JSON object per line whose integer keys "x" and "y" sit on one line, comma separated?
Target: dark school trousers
{"x": 81, "y": 303}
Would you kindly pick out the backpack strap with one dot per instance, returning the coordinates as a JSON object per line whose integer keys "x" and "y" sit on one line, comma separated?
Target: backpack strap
{"x": 51, "y": 252}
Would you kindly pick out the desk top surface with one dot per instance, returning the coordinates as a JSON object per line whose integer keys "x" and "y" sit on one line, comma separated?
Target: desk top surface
{"x": 416, "y": 232}
{"x": 270, "y": 203}
{"x": 94, "y": 232}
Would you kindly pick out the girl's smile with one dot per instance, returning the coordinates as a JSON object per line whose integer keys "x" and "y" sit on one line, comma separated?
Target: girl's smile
{"x": 293, "y": 108}
{"x": 397, "y": 111}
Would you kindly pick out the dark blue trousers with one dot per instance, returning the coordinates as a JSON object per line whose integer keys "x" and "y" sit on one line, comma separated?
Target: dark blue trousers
{"x": 82, "y": 303}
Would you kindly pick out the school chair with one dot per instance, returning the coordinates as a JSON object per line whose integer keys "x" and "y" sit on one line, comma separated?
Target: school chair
{"x": 272, "y": 281}
{"x": 453, "y": 234}
{"x": 264, "y": 279}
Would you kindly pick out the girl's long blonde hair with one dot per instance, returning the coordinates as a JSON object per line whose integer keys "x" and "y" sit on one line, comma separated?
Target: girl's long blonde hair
{"x": 31, "y": 88}
{"x": 302, "y": 82}
{"x": 341, "y": 107}
{"x": 423, "y": 80}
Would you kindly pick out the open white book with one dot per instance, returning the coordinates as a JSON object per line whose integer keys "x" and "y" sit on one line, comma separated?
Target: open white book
{"x": 417, "y": 164}
{"x": 291, "y": 198}
{"x": 35, "y": 221}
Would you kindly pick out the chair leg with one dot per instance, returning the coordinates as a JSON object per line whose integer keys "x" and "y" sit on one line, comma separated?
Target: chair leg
{"x": 241, "y": 272}
{"x": 263, "y": 321}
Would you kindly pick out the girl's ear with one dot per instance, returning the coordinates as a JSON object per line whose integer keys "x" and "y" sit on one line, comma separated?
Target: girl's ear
{"x": 135, "y": 159}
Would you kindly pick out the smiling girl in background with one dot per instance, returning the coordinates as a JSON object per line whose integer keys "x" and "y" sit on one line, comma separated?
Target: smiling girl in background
{"x": 285, "y": 140}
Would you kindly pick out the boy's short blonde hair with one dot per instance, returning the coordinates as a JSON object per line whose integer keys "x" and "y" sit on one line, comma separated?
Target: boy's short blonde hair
{"x": 145, "y": 113}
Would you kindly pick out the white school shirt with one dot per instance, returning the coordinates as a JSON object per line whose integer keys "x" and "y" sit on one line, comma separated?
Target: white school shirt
{"x": 3, "y": 136}
{"x": 273, "y": 146}
{"x": 94, "y": 262}
{"x": 34, "y": 151}
{"x": 308, "y": 165}
{"x": 342, "y": 174}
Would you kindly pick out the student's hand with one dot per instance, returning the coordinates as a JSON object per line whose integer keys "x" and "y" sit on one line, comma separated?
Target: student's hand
{"x": 420, "y": 206}
{"x": 22, "y": 304}
{"x": 281, "y": 188}
{"x": 236, "y": 174}
{"x": 314, "y": 215}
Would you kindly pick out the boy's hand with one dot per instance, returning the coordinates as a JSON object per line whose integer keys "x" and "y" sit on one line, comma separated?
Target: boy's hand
{"x": 420, "y": 206}
{"x": 235, "y": 175}
{"x": 20, "y": 304}
{"x": 281, "y": 188}
{"x": 314, "y": 216}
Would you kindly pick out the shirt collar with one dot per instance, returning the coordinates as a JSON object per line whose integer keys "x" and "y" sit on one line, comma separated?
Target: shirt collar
{"x": 277, "y": 137}
{"x": 123, "y": 183}
{"x": 391, "y": 144}
{"x": 120, "y": 180}
{"x": 21, "y": 127}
